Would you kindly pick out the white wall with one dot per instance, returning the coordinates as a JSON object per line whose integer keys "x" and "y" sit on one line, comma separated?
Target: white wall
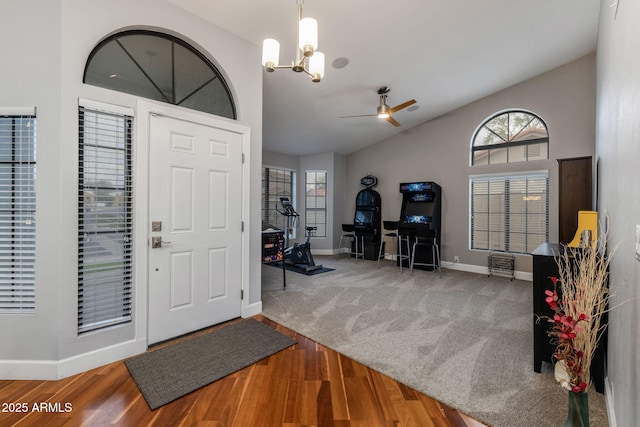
{"x": 30, "y": 76}
{"x": 439, "y": 151}
{"x": 618, "y": 154}
{"x": 277, "y": 160}
{"x": 53, "y": 40}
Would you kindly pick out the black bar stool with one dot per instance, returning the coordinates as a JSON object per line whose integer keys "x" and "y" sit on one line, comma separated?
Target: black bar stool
{"x": 349, "y": 232}
{"x": 398, "y": 240}
{"x": 426, "y": 238}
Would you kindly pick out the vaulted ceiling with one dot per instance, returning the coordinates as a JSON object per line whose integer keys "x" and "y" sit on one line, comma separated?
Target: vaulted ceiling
{"x": 443, "y": 54}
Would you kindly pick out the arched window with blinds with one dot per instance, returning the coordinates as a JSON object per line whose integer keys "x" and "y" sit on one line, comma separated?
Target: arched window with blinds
{"x": 509, "y": 212}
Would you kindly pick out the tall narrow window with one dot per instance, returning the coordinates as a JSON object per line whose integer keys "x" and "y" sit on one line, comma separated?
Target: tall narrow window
{"x": 509, "y": 213}
{"x": 276, "y": 183}
{"x": 17, "y": 213}
{"x": 316, "y": 201}
{"x": 105, "y": 220}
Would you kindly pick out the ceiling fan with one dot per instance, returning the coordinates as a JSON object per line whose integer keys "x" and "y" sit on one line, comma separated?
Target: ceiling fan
{"x": 384, "y": 111}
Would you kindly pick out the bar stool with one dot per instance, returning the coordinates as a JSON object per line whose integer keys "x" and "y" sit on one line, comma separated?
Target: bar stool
{"x": 349, "y": 232}
{"x": 398, "y": 240}
{"x": 426, "y": 238}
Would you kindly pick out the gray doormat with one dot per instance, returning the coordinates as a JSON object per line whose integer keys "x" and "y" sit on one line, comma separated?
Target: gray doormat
{"x": 171, "y": 372}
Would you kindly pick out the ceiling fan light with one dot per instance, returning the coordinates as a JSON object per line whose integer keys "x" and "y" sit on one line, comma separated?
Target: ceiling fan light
{"x": 383, "y": 111}
{"x": 270, "y": 54}
{"x": 316, "y": 66}
{"x": 308, "y": 36}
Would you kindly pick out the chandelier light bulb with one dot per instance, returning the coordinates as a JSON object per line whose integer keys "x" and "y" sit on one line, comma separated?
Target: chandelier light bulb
{"x": 270, "y": 54}
{"x": 308, "y": 35}
{"x": 316, "y": 66}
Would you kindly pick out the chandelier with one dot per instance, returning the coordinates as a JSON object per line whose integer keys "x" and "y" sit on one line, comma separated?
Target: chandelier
{"x": 307, "y": 45}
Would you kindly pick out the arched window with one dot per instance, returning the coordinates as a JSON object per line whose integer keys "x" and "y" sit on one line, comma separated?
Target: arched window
{"x": 508, "y": 137}
{"x": 509, "y": 212}
{"x": 161, "y": 67}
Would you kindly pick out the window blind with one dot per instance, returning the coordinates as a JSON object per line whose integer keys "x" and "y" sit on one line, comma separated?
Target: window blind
{"x": 315, "y": 213}
{"x": 509, "y": 213}
{"x": 276, "y": 183}
{"x": 105, "y": 219}
{"x": 17, "y": 213}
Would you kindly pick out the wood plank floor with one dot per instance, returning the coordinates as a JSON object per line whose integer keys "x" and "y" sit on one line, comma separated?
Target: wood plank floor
{"x": 304, "y": 385}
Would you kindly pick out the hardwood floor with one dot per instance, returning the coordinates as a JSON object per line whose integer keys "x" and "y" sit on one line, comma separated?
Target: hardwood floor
{"x": 304, "y": 385}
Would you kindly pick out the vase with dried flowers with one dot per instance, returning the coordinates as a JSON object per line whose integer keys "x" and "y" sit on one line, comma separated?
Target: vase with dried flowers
{"x": 579, "y": 299}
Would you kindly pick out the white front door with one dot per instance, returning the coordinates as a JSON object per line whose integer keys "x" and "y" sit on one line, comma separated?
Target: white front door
{"x": 195, "y": 205}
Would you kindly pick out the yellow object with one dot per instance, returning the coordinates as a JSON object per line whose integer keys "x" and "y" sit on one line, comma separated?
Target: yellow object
{"x": 587, "y": 230}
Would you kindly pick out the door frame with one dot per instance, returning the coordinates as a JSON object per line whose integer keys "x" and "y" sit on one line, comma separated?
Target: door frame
{"x": 142, "y": 239}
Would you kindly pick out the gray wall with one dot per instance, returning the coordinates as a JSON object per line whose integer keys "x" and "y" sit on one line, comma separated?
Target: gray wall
{"x": 618, "y": 157}
{"x": 439, "y": 151}
{"x": 334, "y": 165}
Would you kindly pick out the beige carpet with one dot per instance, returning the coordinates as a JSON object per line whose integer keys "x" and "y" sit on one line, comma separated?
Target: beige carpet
{"x": 462, "y": 338}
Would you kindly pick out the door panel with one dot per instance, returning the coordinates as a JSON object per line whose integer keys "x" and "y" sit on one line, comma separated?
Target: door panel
{"x": 194, "y": 181}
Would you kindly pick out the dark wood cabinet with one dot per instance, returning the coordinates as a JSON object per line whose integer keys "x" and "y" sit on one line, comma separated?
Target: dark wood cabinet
{"x": 575, "y": 193}
{"x": 544, "y": 266}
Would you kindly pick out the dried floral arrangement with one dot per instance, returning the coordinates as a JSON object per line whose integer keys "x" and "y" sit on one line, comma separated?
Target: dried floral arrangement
{"x": 580, "y": 298}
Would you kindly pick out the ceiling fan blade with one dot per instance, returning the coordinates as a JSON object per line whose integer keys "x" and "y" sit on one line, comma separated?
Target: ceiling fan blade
{"x": 401, "y": 106}
{"x": 392, "y": 121}
{"x": 359, "y": 115}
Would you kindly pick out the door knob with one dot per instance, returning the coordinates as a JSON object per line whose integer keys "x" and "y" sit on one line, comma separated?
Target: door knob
{"x": 156, "y": 242}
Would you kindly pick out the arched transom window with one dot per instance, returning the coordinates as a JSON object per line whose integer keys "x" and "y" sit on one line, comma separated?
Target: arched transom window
{"x": 508, "y": 137}
{"x": 161, "y": 67}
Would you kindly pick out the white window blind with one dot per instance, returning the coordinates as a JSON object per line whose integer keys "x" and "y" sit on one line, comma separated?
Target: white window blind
{"x": 509, "y": 213}
{"x": 105, "y": 220}
{"x": 276, "y": 183}
{"x": 17, "y": 212}
{"x": 316, "y": 201}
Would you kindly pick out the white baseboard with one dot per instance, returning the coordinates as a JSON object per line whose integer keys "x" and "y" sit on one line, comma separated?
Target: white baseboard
{"x": 29, "y": 370}
{"x": 520, "y": 275}
{"x": 57, "y": 369}
{"x": 609, "y": 396}
{"x": 252, "y": 309}
{"x": 324, "y": 251}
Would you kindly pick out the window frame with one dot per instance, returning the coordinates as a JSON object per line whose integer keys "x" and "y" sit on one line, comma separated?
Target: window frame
{"x": 321, "y": 231}
{"x": 269, "y": 210}
{"x": 112, "y": 78}
{"x": 117, "y": 290}
{"x": 508, "y": 143}
{"x": 507, "y": 210}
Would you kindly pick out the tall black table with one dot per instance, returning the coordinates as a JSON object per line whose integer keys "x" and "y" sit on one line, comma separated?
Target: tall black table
{"x": 545, "y": 266}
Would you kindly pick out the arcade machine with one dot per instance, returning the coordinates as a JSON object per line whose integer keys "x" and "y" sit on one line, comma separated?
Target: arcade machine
{"x": 421, "y": 213}
{"x": 366, "y": 220}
